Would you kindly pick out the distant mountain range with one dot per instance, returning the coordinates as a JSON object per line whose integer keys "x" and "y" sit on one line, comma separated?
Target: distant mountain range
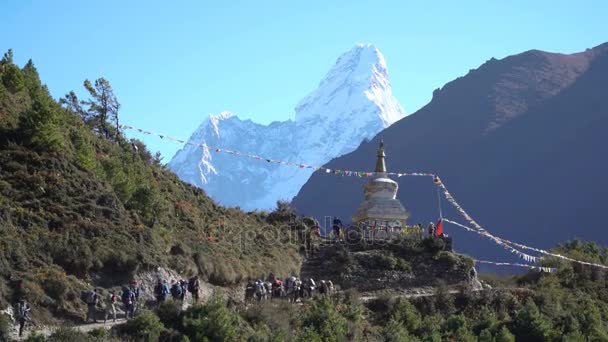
{"x": 520, "y": 142}
{"x": 352, "y": 103}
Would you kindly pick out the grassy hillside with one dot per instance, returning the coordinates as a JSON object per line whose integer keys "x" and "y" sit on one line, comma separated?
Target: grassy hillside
{"x": 78, "y": 206}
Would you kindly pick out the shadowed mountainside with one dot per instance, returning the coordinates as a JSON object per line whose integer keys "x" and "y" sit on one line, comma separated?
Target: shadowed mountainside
{"x": 518, "y": 141}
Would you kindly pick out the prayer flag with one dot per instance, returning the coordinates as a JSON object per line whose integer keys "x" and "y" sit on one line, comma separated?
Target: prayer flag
{"x": 439, "y": 228}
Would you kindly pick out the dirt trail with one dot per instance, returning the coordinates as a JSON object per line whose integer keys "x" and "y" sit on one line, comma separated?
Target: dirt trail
{"x": 47, "y": 331}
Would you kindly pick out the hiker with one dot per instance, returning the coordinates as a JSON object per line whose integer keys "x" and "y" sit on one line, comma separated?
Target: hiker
{"x": 128, "y": 300}
{"x": 194, "y": 287}
{"x": 316, "y": 229}
{"x": 249, "y": 290}
{"x": 277, "y": 288}
{"x": 290, "y": 287}
{"x": 136, "y": 289}
{"x": 323, "y": 288}
{"x": 268, "y": 288}
{"x": 297, "y": 293}
{"x": 260, "y": 290}
{"x": 184, "y": 285}
{"x": 91, "y": 298}
{"x": 111, "y": 301}
{"x": 161, "y": 291}
{"x": 23, "y": 315}
{"x": 176, "y": 290}
{"x": 309, "y": 243}
{"x": 337, "y": 225}
{"x": 308, "y": 288}
{"x": 431, "y": 229}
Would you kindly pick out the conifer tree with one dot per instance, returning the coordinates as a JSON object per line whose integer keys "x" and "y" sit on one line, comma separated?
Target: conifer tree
{"x": 103, "y": 105}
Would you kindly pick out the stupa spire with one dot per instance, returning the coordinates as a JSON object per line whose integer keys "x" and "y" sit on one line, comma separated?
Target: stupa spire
{"x": 380, "y": 163}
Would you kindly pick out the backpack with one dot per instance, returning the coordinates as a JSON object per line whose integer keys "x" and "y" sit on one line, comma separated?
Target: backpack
{"x": 260, "y": 289}
{"x": 127, "y": 296}
{"x": 176, "y": 290}
{"x": 22, "y": 311}
{"x": 158, "y": 289}
{"x": 90, "y": 297}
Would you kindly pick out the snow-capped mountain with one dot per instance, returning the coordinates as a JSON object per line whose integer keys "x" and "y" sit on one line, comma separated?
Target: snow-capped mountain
{"x": 352, "y": 103}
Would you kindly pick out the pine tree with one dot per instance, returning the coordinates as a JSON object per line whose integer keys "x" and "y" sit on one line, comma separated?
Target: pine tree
{"x": 396, "y": 332}
{"x": 71, "y": 102}
{"x": 504, "y": 335}
{"x": 531, "y": 325}
{"x": 103, "y": 105}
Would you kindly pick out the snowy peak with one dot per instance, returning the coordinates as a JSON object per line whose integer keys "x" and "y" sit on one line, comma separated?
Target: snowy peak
{"x": 352, "y": 103}
{"x": 361, "y": 65}
{"x": 214, "y": 120}
{"x": 358, "y": 74}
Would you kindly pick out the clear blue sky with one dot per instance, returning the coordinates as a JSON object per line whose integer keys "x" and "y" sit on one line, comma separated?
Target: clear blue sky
{"x": 174, "y": 62}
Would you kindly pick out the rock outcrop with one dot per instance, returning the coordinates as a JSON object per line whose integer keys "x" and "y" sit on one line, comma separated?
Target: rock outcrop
{"x": 390, "y": 265}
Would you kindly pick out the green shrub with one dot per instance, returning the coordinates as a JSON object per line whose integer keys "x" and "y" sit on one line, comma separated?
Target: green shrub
{"x": 326, "y": 321}
{"x": 37, "y": 338}
{"x": 99, "y": 334}
{"x": 433, "y": 245}
{"x": 213, "y": 321}
{"x": 394, "y": 331}
{"x": 146, "y": 326}
{"x": 170, "y": 314}
{"x": 405, "y": 313}
{"x": 12, "y": 78}
{"x": 54, "y": 282}
{"x": 85, "y": 155}
{"x": 504, "y": 335}
{"x": 531, "y": 325}
{"x": 448, "y": 258}
{"x": 67, "y": 334}
{"x": 5, "y": 324}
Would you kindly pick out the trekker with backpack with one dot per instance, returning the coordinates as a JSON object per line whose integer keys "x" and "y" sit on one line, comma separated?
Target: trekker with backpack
{"x": 184, "y": 285}
{"x": 161, "y": 291}
{"x": 128, "y": 299}
{"x": 323, "y": 288}
{"x": 91, "y": 298}
{"x": 277, "y": 288}
{"x": 337, "y": 226}
{"x": 260, "y": 290}
{"x": 249, "y": 291}
{"x": 111, "y": 301}
{"x": 23, "y": 315}
{"x": 194, "y": 287}
{"x": 176, "y": 290}
{"x": 308, "y": 288}
{"x": 136, "y": 289}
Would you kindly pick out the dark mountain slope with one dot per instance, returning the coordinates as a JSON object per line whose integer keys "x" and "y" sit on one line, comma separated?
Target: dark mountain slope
{"x": 519, "y": 142}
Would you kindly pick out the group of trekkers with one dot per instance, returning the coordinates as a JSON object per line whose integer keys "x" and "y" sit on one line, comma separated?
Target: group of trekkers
{"x": 129, "y": 297}
{"x": 177, "y": 290}
{"x": 292, "y": 289}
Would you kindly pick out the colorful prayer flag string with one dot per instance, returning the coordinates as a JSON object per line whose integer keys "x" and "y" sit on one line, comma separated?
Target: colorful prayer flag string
{"x": 539, "y": 268}
{"x": 270, "y": 160}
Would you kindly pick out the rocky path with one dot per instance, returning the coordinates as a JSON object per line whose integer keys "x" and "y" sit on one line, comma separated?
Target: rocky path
{"x": 47, "y": 331}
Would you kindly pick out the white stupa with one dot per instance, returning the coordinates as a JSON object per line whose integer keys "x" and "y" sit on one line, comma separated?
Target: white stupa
{"x": 381, "y": 208}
